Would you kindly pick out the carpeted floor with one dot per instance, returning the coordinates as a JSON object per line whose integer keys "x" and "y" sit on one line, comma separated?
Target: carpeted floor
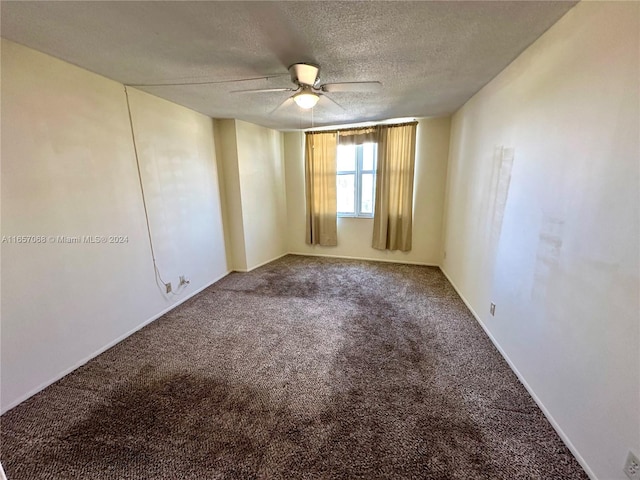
{"x": 306, "y": 368}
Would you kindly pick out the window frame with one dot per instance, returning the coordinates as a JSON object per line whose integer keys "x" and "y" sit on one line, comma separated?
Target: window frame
{"x": 357, "y": 191}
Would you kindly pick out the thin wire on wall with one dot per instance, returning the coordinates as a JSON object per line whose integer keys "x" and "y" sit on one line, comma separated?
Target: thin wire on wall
{"x": 158, "y": 276}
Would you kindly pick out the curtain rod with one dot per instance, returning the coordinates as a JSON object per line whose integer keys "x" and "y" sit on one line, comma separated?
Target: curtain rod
{"x": 352, "y": 129}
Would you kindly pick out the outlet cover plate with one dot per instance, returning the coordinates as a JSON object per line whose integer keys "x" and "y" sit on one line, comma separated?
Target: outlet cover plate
{"x": 168, "y": 287}
{"x": 492, "y": 309}
{"x": 632, "y": 467}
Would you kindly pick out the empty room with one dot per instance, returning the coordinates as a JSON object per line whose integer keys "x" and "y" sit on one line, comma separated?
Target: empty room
{"x": 320, "y": 240}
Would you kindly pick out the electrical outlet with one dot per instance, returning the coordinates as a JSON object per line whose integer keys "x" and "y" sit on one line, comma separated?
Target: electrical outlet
{"x": 183, "y": 281}
{"x": 444, "y": 255}
{"x": 632, "y": 467}
{"x": 492, "y": 309}
{"x": 168, "y": 287}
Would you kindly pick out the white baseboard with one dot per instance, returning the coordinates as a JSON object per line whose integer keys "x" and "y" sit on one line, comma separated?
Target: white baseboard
{"x": 44, "y": 385}
{"x": 3, "y": 476}
{"x": 347, "y": 257}
{"x": 245, "y": 270}
{"x": 535, "y": 397}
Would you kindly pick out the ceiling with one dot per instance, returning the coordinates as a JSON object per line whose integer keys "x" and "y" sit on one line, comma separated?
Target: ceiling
{"x": 429, "y": 56}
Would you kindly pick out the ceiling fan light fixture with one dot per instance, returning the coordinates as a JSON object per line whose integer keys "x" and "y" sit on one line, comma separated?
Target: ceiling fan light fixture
{"x": 306, "y": 98}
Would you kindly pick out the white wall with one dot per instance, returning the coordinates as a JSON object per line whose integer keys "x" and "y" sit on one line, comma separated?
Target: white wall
{"x": 261, "y": 169}
{"x": 355, "y": 234}
{"x": 227, "y": 148}
{"x": 253, "y": 166}
{"x": 548, "y": 228}
{"x": 68, "y": 168}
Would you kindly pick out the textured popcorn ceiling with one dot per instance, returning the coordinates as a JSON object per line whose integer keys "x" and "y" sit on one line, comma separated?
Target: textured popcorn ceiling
{"x": 430, "y": 56}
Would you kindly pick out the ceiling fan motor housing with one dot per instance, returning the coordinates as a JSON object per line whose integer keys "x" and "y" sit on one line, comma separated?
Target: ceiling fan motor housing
{"x": 304, "y": 73}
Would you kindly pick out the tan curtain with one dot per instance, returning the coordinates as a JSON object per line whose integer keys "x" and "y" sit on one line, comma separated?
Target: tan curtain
{"x": 393, "y": 212}
{"x": 358, "y": 136}
{"x": 320, "y": 188}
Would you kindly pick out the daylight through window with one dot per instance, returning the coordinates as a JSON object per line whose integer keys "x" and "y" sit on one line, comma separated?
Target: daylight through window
{"x": 356, "y": 180}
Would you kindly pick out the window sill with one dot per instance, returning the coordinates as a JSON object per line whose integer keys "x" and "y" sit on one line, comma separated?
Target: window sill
{"x": 340, "y": 215}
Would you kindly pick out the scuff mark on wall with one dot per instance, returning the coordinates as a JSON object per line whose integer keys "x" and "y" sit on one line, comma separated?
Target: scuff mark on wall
{"x": 547, "y": 255}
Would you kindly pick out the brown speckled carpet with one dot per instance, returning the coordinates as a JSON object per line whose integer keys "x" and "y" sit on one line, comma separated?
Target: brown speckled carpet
{"x": 306, "y": 368}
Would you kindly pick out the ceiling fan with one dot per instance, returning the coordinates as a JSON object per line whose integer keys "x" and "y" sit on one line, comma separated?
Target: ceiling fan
{"x": 308, "y": 90}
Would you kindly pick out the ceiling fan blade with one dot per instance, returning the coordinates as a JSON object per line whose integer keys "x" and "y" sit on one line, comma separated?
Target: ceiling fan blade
{"x": 333, "y": 101}
{"x": 263, "y": 90}
{"x": 351, "y": 87}
{"x": 288, "y": 101}
{"x": 205, "y": 82}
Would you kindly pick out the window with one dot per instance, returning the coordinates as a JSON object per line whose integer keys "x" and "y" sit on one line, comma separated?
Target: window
{"x": 356, "y": 180}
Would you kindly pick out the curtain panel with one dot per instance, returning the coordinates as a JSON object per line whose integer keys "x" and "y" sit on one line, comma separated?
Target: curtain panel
{"x": 393, "y": 213}
{"x": 320, "y": 188}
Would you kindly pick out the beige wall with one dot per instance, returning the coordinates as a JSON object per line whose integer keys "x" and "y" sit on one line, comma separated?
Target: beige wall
{"x": 261, "y": 170}
{"x": 227, "y": 148}
{"x": 355, "y": 234}
{"x": 68, "y": 168}
{"x": 253, "y": 165}
{"x": 548, "y": 230}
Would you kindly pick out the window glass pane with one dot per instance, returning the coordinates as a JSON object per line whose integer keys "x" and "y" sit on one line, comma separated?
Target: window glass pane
{"x": 369, "y": 156}
{"x": 346, "y": 158}
{"x": 368, "y": 187}
{"x": 345, "y": 193}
